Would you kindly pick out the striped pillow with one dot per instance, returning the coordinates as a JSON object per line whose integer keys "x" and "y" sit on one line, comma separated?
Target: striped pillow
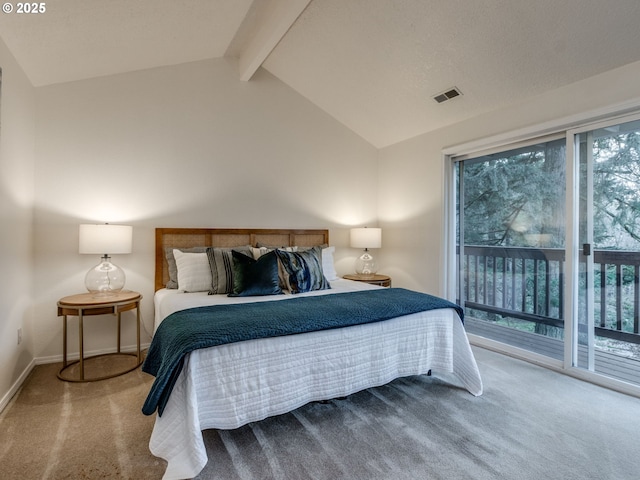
{"x": 221, "y": 263}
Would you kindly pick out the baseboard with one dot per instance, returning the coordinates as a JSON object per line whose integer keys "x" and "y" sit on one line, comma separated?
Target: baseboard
{"x": 515, "y": 352}
{"x": 56, "y": 359}
{"x": 16, "y": 385}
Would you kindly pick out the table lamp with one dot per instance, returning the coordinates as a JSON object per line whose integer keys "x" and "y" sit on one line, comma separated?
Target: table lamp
{"x": 366, "y": 238}
{"x": 105, "y": 240}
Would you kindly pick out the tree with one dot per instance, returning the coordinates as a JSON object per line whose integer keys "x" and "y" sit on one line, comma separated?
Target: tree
{"x": 616, "y": 192}
{"x": 516, "y": 198}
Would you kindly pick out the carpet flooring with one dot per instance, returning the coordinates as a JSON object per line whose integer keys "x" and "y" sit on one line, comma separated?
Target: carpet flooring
{"x": 531, "y": 423}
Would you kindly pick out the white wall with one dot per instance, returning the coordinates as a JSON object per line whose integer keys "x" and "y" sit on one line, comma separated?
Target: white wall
{"x": 411, "y": 172}
{"x": 17, "y": 143}
{"x": 182, "y": 146}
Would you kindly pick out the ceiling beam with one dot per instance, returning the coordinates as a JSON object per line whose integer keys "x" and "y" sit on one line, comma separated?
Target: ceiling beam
{"x": 269, "y": 23}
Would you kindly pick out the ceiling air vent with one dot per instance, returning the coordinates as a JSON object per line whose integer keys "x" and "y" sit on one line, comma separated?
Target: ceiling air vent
{"x": 448, "y": 95}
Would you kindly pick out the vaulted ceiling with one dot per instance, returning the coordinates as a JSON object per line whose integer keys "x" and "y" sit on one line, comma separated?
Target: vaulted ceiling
{"x": 374, "y": 65}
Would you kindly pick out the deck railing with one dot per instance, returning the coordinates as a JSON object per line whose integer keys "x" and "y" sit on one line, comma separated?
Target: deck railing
{"x": 528, "y": 284}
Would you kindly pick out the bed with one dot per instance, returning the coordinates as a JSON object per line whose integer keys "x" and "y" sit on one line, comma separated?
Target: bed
{"x": 229, "y": 385}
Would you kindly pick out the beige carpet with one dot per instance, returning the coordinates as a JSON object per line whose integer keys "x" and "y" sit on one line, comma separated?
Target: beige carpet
{"x": 530, "y": 424}
{"x": 61, "y": 430}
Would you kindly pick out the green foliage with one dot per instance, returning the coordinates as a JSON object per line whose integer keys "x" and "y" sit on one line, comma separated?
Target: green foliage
{"x": 616, "y": 196}
{"x": 517, "y": 198}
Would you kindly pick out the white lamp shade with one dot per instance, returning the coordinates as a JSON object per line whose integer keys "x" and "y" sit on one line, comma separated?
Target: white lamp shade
{"x": 366, "y": 237}
{"x": 105, "y": 239}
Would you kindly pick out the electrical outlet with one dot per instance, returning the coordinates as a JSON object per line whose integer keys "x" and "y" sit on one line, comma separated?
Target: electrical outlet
{"x": 19, "y": 336}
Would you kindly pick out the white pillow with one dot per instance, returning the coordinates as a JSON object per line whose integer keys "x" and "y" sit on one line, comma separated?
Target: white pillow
{"x": 194, "y": 272}
{"x": 328, "y": 268}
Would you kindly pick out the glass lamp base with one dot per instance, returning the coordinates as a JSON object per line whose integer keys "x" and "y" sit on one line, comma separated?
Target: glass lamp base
{"x": 366, "y": 264}
{"x": 105, "y": 278}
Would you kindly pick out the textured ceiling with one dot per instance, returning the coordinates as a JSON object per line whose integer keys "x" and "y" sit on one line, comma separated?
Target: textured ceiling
{"x": 375, "y": 64}
{"x": 372, "y": 64}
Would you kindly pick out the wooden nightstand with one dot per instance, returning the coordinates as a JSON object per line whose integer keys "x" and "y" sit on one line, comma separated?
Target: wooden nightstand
{"x": 86, "y": 304}
{"x": 375, "y": 279}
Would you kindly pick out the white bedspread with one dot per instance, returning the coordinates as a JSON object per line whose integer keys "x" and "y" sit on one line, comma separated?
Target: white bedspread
{"x": 231, "y": 385}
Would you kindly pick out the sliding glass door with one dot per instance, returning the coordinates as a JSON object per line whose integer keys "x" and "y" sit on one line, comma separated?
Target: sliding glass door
{"x": 547, "y": 248}
{"x": 607, "y": 338}
{"x": 510, "y": 245}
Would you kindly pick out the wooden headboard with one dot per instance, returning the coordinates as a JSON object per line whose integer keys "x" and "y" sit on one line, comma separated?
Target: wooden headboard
{"x": 228, "y": 237}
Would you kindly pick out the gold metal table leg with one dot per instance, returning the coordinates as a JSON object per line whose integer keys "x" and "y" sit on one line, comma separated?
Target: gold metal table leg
{"x": 64, "y": 341}
{"x": 138, "y": 331}
{"x": 81, "y": 342}
{"x": 119, "y": 330}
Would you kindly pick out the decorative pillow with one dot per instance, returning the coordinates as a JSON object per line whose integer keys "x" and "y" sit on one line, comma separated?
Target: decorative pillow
{"x": 171, "y": 263}
{"x": 194, "y": 273}
{"x": 303, "y": 270}
{"x": 328, "y": 266}
{"x": 255, "y": 277}
{"x": 304, "y": 249}
{"x": 221, "y": 263}
{"x": 259, "y": 251}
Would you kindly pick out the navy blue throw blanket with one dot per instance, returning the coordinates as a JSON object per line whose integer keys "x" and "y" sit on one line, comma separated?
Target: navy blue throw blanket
{"x": 202, "y": 327}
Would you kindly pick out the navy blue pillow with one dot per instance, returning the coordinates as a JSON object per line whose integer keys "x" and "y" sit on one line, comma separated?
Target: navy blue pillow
{"x": 255, "y": 277}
